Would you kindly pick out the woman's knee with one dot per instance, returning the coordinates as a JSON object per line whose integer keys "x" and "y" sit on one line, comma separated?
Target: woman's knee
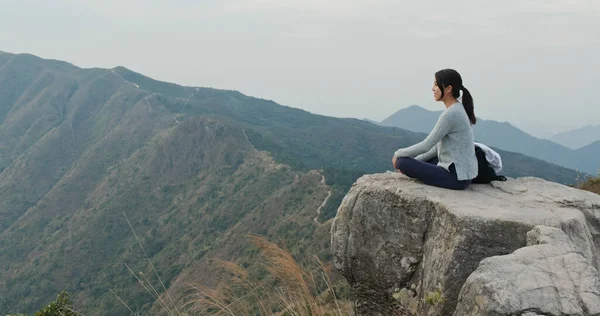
{"x": 403, "y": 163}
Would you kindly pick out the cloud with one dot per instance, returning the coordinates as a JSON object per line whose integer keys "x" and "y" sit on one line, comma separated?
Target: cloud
{"x": 466, "y": 12}
{"x": 142, "y": 9}
{"x": 577, "y": 7}
{"x": 336, "y": 8}
{"x": 309, "y": 33}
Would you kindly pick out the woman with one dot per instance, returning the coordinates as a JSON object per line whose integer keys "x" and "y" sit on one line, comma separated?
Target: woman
{"x": 446, "y": 158}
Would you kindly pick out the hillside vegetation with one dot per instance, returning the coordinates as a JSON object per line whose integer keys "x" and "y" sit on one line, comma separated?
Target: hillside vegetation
{"x": 194, "y": 170}
{"x": 591, "y": 184}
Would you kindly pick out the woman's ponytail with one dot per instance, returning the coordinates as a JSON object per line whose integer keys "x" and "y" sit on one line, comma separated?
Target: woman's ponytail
{"x": 467, "y": 101}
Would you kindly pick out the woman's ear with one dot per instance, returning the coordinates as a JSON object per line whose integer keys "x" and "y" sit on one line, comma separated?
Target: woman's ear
{"x": 448, "y": 90}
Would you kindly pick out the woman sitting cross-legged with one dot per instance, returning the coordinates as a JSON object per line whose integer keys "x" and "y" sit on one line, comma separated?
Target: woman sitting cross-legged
{"x": 446, "y": 158}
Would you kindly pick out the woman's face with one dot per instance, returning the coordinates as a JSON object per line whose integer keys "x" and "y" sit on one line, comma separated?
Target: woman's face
{"x": 437, "y": 93}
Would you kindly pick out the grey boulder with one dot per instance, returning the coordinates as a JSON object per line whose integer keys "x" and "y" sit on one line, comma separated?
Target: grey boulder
{"x": 403, "y": 245}
{"x": 549, "y": 277}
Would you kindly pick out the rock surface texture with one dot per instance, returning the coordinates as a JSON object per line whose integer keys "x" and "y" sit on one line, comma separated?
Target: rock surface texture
{"x": 550, "y": 277}
{"x": 403, "y": 245}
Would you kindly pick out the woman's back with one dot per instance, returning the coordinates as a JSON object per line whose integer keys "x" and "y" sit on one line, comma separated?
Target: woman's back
{"x": 457, "y": 146}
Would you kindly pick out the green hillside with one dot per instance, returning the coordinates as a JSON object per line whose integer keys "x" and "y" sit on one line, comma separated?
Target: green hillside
{"x": 195, "y": 170}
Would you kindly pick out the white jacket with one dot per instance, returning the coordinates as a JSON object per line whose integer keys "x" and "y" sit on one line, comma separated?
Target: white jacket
{"x": 491, "y": 156}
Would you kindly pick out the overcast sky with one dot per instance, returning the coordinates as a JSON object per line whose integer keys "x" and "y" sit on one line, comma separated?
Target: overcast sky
{"x": 532, "y": 63}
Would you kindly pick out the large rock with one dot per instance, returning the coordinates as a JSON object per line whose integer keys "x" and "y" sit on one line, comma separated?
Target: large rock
{"x": 550, "y": 277}
{"x": 393, "y": 235}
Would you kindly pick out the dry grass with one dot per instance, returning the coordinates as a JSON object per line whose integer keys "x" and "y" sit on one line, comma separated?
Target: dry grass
{"x": 592, "y": 185}
{"x": 280, "y": 287}
{"x": 287, "y": 288}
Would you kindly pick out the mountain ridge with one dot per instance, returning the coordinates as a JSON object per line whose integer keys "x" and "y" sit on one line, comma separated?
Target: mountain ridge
{"x": 194, "y": 169}
{"x": 579, "y": 137}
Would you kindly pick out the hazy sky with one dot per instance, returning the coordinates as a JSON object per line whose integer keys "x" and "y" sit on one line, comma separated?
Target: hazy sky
{"x": 532, "y": 63}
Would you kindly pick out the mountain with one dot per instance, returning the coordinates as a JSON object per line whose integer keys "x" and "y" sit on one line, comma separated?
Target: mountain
{"x": 413, "y": 118}
{"x": 500, "y": 135}
{"x": 85, "y": 153}
{"x": 578, "y": 138}
{"x": 591, "y": 150}
{"x": 371, "y": 121}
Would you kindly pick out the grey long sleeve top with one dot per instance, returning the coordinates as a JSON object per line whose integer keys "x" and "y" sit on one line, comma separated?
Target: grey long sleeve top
{"x": 451, "y": 140}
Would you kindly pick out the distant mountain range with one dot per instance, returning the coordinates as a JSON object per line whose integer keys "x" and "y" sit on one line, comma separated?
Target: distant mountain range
{"x": 505, "y": 136}
{"x": 578, "y": 138}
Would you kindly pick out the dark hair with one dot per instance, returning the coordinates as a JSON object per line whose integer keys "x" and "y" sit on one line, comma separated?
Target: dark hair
{"x": 450, "y": 77}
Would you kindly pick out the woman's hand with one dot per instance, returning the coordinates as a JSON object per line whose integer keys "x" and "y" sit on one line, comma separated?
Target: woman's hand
{"x": 394, "y": 163}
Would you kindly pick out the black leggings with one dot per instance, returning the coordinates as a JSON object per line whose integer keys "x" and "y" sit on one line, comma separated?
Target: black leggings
{"x": 431, "y": 174}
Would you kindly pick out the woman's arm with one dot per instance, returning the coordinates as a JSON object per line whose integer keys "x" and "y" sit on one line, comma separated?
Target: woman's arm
{"x": 441, "y": 129}
{"x": 432, "y": 153}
